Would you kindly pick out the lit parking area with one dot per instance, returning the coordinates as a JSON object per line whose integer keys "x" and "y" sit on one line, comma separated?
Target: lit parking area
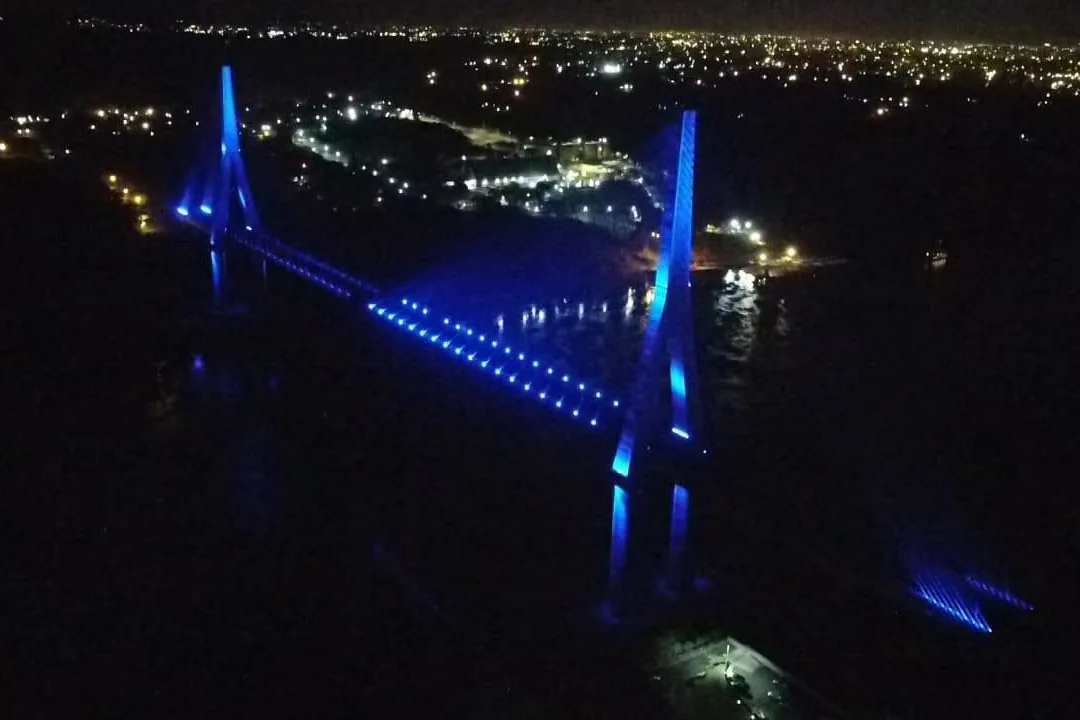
{"x": 724, "y": 678}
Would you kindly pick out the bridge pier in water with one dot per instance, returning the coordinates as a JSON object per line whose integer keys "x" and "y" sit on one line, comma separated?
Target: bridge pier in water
{"x": 677, "y": 571}
{"x": 217, "y": 279}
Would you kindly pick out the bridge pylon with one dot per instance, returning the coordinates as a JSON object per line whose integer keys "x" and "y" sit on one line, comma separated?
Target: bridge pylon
{"x": 227, "y": 177}
{"x": 667, "y": 353}
{"x": 669, "y": 334}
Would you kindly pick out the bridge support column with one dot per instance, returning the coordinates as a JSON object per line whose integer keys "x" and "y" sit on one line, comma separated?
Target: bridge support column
{"x": 217, "y": 279}
{"x": 615, "y": 600}
{"x": 677, "y": 570}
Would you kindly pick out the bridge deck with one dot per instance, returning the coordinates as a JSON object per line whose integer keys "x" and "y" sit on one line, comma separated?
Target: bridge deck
{"x": 577, "y": 398}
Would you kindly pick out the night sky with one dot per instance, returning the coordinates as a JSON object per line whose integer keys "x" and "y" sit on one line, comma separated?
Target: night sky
{"x": 964, "y": 19}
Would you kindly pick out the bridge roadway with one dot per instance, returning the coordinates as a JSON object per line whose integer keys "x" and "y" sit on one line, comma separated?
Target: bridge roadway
{"x": 517, "y": 368}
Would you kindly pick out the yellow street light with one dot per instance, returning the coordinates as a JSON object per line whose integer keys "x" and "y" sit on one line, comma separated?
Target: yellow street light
{"x": 763, "y": 258}
{"x": 112, "y": 179}
{"x": 791, "y": 252}
{"x": 138, "y": 199}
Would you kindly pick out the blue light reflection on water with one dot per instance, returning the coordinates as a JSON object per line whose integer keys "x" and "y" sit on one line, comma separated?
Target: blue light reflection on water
{"x": 599, "y": 338}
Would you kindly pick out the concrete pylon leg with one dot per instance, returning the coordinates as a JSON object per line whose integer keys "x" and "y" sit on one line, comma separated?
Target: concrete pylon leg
{"x": 217, "y": 278}
{"x": 677, "y": 571}
{"x": 615, "y": 596}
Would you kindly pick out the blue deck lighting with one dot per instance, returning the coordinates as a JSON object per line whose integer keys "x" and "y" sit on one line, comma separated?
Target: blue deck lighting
{"x": 205, "y": 209}
{"x": 183, "y": 211}
{"x": 478, "y": 349}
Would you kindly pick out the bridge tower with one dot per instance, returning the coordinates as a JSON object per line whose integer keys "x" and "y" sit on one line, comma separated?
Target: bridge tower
{"x": 667, "y": 351}
{"x": 226, "y": 176}
{"x": 222, "y": 179}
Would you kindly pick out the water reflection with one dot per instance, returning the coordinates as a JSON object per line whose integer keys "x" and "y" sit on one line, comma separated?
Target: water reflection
{"x": 736, "y": 316}
{"x": 230, "y": 398}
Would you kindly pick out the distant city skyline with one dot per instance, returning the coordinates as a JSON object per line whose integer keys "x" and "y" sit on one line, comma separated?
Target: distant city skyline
{"x": 946, "y": 19}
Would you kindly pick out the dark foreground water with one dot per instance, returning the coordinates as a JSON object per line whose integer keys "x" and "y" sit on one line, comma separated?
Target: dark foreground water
{"x": 292, "y": 509}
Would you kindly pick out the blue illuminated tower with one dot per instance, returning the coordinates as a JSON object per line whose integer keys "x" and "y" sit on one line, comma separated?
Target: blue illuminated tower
{"x": 227, "y": 175}
{"x": 669, "y": 334}
{"x": 669, "y": 341}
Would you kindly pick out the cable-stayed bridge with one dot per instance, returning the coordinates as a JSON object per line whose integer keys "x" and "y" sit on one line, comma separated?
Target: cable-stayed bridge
{"x": 661, "y": 408}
